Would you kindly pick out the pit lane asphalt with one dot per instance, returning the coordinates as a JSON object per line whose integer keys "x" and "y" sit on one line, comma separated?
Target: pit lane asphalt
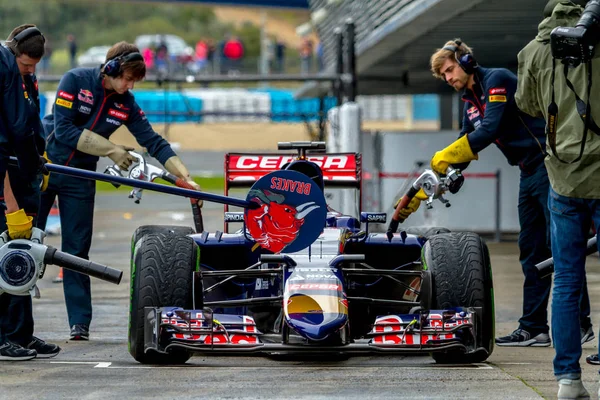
{"x": 103, "y": 369}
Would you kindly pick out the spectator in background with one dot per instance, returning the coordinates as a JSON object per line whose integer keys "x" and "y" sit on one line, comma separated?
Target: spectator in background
{"x": 269, "y": 55}
{"x": 45, "y": 62}
{"x": 280, "y": 56}
{"x": 306, "y": 55}
{"x": 320, "y": 57}
{"x": 72, "y": 50}
{"x": 233, "y": 52}
{"x": 162, "y": 59}
{"x": 210, "y": 55}
{"x": 148, "y": 55}
{"x": 221, "y": 59}
{"x": 201, "y": 55}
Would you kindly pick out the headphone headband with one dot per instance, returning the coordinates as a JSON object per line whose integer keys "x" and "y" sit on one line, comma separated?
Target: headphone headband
{"x": 26, "y": 34}
{"x": 113, "y": 66}
{"x": 128, "y": 57}
{"x": 466, "y": 61}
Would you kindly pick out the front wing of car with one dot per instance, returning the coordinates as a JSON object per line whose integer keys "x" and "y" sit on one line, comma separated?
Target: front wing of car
{"x": 206, "y": 332}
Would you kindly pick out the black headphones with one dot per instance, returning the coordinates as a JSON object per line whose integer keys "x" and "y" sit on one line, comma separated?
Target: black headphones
{"x": 26, "y": 34}
{"x": 113, "y": 66}
{"x": 466, "y": 61}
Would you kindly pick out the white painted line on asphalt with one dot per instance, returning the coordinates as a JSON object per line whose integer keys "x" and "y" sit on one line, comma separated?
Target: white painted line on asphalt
{"x": 514, "y": 363}
{"x": 98, "y": 364}
{"x": 73, "y": 362}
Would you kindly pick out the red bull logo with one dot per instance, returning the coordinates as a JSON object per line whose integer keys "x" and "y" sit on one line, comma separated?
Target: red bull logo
{"x": 86, "y": 96}
{"x": 291, "y": 214}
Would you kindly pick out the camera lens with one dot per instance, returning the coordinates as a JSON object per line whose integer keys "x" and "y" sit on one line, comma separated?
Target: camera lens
{"x": 591, "y": 15}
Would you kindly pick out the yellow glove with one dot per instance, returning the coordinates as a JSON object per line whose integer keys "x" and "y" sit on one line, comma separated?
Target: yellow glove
{"x": 413, "y": 206}
{"x": 19, "y": 225}
{"x": 45, "y": 178}
{"x": 458, "y": 152}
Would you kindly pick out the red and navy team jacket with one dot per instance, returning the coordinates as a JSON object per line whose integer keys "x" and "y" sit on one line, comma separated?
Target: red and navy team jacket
{"x": 20, "y": 129}
{"x": 491, "y": 116}
{"x": 81, "y": 103}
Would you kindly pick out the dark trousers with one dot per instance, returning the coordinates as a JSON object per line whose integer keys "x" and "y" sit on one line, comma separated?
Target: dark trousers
{"x": 76, "y": 207}
{"x": 534, "y": 246}
{"x": 16, "y": 312}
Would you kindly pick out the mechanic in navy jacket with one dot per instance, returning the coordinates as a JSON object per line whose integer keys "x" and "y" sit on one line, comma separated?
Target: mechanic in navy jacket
{"x": 91, "y": 103}
{"x": 21, "y": 135}
{"x": 491, "y": 116}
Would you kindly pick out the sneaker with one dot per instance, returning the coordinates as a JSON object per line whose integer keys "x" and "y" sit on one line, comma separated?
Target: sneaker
{"x": 43, "y": 349}
{"x": 522, "y": 338}
{"x": 13, "y": 352}
{"x": 572, "y": 389}
{"x": 592, "y": 359}
{"x": 587, "y": 335}
{"x": 80, "y": 332}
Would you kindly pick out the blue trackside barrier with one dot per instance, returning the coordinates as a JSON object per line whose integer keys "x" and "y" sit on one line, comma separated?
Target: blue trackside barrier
{"x": 248, "y": 105}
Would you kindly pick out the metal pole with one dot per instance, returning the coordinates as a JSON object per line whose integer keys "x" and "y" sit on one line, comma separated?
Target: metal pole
{"x": 322, "y": 118}
{"x": 351, "y": 59}
{"x": 498, "y": 202}
{"x": 378, "y": 156}
{"x": 339, "y": 48}
{"x": 194, "y": 194}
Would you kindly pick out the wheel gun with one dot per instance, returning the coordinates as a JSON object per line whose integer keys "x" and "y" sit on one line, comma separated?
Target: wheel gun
{"x": 142, "y": 171}
{"x": 434, "y": 187}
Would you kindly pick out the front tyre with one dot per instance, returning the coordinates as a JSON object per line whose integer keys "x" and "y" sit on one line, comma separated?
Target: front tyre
{"x": 462, "y": 277}
{"x": 162, "y": 275}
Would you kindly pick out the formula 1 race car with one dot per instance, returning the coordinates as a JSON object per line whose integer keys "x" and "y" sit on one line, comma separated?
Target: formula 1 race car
{"x": 299, "y": 277}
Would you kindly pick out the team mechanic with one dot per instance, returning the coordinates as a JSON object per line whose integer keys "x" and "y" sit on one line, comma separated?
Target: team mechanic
{"x": 491, "y": 116}
{"x": 21, "y": 135}
{"x": 91, "y": 103}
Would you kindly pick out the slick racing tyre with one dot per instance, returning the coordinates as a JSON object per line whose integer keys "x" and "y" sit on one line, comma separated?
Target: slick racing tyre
{"x": 462, "y": 277}
{"x": 426, "y": 231}
{"x": 161, "y": 276}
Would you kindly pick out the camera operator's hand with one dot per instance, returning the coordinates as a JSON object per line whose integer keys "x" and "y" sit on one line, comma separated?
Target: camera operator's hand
{"x": 458, "y": 152}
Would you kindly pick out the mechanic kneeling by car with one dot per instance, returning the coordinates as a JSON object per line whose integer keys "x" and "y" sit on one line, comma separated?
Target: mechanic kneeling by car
{"x": 491, "y": 116}
{"x": 91, "y": 104}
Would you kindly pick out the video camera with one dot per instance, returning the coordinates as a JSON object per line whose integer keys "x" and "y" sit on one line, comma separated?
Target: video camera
{"x": 575, "y": 45}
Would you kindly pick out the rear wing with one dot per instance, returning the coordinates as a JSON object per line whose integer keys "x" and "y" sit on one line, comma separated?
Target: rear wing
{"x": 340, "y": 170}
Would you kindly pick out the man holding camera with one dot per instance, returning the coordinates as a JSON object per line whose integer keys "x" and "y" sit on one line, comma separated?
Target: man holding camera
{"x": 491, "y": 116}
{"x": 556, "y": 70}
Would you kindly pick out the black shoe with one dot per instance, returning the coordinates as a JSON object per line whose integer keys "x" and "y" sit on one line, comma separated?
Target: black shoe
{"x": 43, "y": 349}
{"x": 13, "y": 352}
{"x": 592, "y": 359}
{"x": 80, "y": 332}
{"x": 587, "y": 334}
{"x": 522, "y": 338}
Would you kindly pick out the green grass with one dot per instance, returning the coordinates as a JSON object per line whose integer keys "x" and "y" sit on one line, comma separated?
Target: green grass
{"x": 213, "y": 184}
